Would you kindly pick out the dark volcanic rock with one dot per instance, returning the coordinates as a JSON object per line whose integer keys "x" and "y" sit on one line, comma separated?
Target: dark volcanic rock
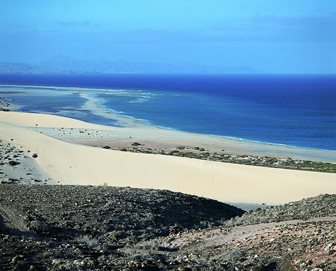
{"x": 13, "y": 163}
{"x": 79, "y": 222}
{"x": 108, "y": 228}
{"x": 136, "y": 144}
{"x": 286, "y": 245}
{"x": 321, "y": 206}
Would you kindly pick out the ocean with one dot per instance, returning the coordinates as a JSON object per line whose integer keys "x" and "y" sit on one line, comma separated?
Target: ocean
{"x": 287, "y": 109}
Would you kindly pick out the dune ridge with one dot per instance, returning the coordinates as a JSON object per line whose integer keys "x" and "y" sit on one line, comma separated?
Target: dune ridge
{"x": 70, "y": 163}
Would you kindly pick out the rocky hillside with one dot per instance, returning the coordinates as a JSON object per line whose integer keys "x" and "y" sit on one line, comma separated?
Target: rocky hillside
{"x": 46, "y": 226}
{"x": 106, "y": 228}
{"x": 321, "y": 206}
{"x": 282, "y": 246}
{"x": 294, "y": 236}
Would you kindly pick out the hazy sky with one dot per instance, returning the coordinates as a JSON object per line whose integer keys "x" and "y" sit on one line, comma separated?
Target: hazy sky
{"x": 271, "y": 36}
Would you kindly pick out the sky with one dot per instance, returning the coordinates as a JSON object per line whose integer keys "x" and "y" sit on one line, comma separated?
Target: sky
{"x": 214, "y": 36}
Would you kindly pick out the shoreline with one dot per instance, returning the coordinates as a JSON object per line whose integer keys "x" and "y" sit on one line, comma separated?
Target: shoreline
{"x": 241, "y": 145}
{"x": 70, "y": 163}
{"x": 158, "y": 134}
{"x": 171, "y": 142}
{"x": 211, "y": 154}
{"x": 153, "y": 135}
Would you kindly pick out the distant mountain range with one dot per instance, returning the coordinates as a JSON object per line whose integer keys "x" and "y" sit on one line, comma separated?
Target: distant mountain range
{"x": 7, "y": 67}
{"x": 67, "y": 65}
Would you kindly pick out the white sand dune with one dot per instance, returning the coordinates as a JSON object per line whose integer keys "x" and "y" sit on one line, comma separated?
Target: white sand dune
{"x": 77, "y": 164}
{"x": 43, "y": 120}
{"x": 156, "y": 134}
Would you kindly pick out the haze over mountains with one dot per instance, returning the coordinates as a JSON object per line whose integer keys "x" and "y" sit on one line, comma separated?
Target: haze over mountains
{"x": 69, "y": 65}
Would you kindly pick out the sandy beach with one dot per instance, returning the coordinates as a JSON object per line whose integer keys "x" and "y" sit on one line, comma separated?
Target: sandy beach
{"x": 70, "y": 163}
{"x": 168, "y": 136}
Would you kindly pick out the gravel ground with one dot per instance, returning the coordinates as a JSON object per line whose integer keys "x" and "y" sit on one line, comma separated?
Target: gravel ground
{"x": 320, "y": 206}
{"x": 51, "y": 227}
{"x": 296, "y": 236}
{"x": 108, "y": 228}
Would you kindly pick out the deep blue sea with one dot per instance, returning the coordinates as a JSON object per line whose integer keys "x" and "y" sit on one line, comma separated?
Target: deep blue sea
{"x": 290, "y": 110}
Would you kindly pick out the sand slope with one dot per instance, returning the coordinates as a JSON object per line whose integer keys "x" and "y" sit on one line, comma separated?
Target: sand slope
{"x": 44, "y": 120}
{"x": 154, "y": 134}
{"x": 76, "y": 164}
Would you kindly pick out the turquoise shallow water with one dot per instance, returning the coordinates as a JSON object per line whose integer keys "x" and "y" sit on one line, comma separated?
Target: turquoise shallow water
{"x": 290, "y": 110}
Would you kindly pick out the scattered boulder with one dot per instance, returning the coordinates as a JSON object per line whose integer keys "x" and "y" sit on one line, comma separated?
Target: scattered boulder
{"x": 330, "y": 249}
{"x": 39, "y": 226}
{"x": 13, "y": 163}
{"x": 136, "y": 144}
